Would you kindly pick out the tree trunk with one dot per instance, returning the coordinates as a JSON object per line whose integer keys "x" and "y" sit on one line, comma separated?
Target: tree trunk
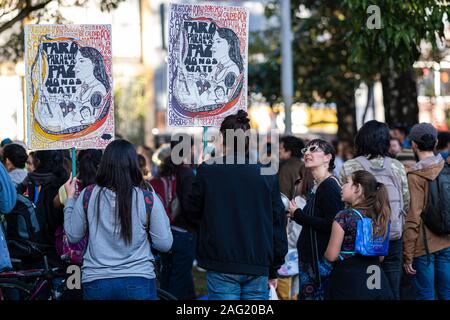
{"x": 400, "y": 98}
{"x": 346, "y": 119}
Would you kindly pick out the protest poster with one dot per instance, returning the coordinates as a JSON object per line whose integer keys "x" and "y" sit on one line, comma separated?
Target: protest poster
{"x": 69, "y": 86}
{"x": 207, "y": 64}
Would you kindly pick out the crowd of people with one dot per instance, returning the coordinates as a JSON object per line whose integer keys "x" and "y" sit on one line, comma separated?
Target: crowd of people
{"x": 333, "y": 212}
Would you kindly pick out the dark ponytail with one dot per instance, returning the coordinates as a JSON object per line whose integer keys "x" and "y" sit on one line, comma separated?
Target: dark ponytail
{"x": 375, "y": 202}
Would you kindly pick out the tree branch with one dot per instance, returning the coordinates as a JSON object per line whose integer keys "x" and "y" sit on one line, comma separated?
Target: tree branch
{"x": 23, "y": 14}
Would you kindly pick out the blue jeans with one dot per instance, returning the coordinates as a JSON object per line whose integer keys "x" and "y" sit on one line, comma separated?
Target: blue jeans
{"x": 125, "y": 288}
{"x": 392, "y": 266}
{"x": 176, "y": 266}
{"x": 436, "y": 273}
{"x": 224, "y": 286}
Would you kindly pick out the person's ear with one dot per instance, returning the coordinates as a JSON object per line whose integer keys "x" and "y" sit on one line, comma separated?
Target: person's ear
{"x": 289, "y": 152}
{"x": 358, "y": 189}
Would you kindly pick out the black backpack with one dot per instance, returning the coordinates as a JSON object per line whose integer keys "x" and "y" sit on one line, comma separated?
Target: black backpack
{"x": 47, "y": 216}
{"x": 21, "y": 222}
{"x": 436, "y": 215}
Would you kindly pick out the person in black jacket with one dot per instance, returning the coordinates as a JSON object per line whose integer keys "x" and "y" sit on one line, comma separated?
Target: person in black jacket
{"x": 41, "y": 187}
{"x": 316, "y": 218}
{"x": 242, "y": 235}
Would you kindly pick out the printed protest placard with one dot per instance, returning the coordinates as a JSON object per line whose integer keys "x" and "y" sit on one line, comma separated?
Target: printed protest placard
{"x": 69, "y": 86}
{"x": 207, "y": 64}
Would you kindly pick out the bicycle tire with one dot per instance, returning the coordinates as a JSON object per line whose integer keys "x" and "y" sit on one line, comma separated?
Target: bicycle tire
{"x": 164, "y": 295}
{"x": 24, "y": 290}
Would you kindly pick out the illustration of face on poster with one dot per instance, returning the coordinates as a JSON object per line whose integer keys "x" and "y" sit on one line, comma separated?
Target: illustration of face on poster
{"x": 207, "y": 64}
{"x": 70, "y": 87}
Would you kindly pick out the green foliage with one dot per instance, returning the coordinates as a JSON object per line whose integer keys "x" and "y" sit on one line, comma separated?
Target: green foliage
{"x": 130, "y": 100}
{"x": 334, "y": 50}
{"x": 404, "y": 24}
{"x": 320, "y": 56}
{"x": 14, "y": 12}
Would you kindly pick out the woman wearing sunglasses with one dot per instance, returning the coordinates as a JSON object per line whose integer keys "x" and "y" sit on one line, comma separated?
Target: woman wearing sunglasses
{"x": 316, "y": 218}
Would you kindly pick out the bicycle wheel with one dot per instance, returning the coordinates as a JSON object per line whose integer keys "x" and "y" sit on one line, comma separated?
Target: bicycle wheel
{"x": 164, "y": 295}
{"x": 11, "y": 289}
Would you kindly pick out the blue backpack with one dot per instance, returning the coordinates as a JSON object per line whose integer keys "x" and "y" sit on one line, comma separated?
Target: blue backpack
{"x": 366, "y": 244}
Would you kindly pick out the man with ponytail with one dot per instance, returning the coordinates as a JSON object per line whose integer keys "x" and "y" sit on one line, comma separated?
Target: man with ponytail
{"x": 242, "y": 237}
{"x": 366, "y": 198}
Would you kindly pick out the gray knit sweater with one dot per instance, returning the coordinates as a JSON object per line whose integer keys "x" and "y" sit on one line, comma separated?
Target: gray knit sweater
{"x": 107, "y": 256}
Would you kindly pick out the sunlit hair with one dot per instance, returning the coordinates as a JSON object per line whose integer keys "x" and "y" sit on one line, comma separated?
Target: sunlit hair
{"x": 374, "y": 202}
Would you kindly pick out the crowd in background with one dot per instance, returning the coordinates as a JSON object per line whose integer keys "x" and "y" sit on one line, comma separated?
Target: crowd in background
{"x": 146, "y": 221}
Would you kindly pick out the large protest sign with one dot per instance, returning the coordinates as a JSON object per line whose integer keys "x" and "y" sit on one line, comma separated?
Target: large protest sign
{"x": 69, "y": 86}
{"x": 207, "y": 63}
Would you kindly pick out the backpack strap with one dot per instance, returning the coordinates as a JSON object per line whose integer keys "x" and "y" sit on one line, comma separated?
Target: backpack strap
{"x": 37, "y": 189}
{"x": 364, "y": 162}
{"x": 387, "y": 165}
{"x": 148, "y": 200}
{"x": 86, "y": 197}
{"x": 358, "y": 213}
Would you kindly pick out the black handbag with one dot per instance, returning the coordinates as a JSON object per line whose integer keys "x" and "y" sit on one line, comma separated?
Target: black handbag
{"x": 314, "y": 248}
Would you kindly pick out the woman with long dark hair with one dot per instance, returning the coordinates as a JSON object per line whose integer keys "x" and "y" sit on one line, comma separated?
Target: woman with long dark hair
{"x": 348, "y": 280}
{"x": 97, "y": 60}
{"x": 316, "y": 219}
{"x": 118, "y": 262}
{"x": 230, "y": 65}
{"x": 90, "y": 69}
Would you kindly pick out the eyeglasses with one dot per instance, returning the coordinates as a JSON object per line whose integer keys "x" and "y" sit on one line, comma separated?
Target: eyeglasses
{"x": 311, "y": 149}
